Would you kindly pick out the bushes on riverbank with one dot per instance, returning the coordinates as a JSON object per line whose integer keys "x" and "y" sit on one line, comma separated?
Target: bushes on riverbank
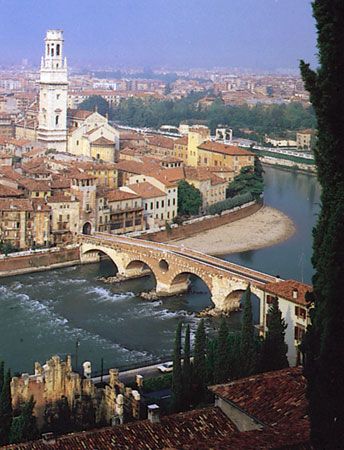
{"x": 230, "y": 203}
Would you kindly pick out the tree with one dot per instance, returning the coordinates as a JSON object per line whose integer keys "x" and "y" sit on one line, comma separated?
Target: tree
{"x": 199, "y": 365}
{"x": 58, "y": 417}
{"x": 221, "y": 358}
{"x": 187, "y": 369}
{"x": 2, "y": 374}
{"x": 273, "y": 354}
{"x": 24, "y": 426}
{"x": 324, "y": 351}
{"x": 248, "y": 180}
{"x": 6, "y": 412}
{"x": 177, "y": 378}
{"x": 189, "y": 199}
{"x": 234, "y": 360}
{"x": 210, "y": 359}
{"x": 248, "y": 350}
{"x": 95, "y": 103}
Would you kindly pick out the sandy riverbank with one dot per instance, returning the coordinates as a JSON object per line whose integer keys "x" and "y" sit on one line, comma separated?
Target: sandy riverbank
{"x": 266, "y": 227}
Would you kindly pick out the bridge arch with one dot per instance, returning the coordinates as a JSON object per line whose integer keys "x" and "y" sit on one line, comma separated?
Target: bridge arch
{"x": 138, "y": 267}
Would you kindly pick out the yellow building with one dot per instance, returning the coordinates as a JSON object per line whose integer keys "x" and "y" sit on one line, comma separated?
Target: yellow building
{"x": 181, "y": 149}
{"x": 197, "y": 135}
{"x": 64, "y": 217}
{"x": 212, "y": 187}
{"x": 105, "y": 173}
{"x": 103, "y": 149}
{"x": 24, "y": 223}
{"x": 215, "y": 154}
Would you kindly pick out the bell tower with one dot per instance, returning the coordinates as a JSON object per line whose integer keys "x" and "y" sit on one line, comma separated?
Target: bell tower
{"x": 53, "y": 93}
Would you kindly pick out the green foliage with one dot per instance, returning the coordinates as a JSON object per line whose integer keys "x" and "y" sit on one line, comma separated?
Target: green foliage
{"x": 273, "y": 355}
{"x": 248, "y": 181}
{"x": 84, "y": 414}
{"x": 177, "y": 377}
{"x": 261, "y": 119}
{"x": 7, "y": 247}
{"x": 157, "y": 383}
{"x": 248, "y": 348}
{"x": 221, "y": 368}
{"x": 6, "y": 412}
{"x": 95, "y": 103}
{"x": 230, "y": 203}
{"x": 2, "y": 374}
{"x": 189, "y": 199}
{"x": 187, "y": 369}
{"x": 24, "y": 426}
{"x": 58, "y": 417}
{"x": 324, "y": 351}
{"x": 234, "y": 360}
{"x": 199, "y": 364}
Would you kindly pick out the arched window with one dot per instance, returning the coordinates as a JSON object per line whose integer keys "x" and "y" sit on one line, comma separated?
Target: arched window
{"x": 57, "y": 118}
{"x": 52, "y": 52}
{"x": 58, "y": 50}
{"x": 48, "y": 49}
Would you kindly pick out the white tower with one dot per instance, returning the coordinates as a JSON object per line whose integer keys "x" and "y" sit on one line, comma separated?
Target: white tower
{"x": 53, "y": 93}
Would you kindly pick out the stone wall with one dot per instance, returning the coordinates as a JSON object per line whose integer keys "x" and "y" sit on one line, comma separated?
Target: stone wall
{"x": 190, "y": 229}
{"x": 17, "y": 264}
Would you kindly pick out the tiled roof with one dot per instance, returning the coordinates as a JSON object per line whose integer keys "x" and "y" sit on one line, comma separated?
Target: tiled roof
{"x": 146, "y": 190}
{"x": 181, "y": 141}
{"x": 161, "y": 141}
{"x": 286, "y": 289}
{"x": 15, "y": 204}
{"x": 102, "y": 141}
{"x": 6, "y": 191}
{"x": 225, "y": 149}
{"x": 272, "y": 398}
{"x": 61, "y": 198}
{"x": 78, "y": 114}
{"x": 116, "y": 195}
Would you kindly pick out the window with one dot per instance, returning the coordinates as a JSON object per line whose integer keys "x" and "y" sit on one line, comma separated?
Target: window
{"x": 77, "y": 142}
{"x": 146, "y": 207}
{"x": 269, "y": 299}
{"x": 300, "y": 312}
{"x": 57, "y": 96}
{"x": 58, "y": 50}
{"x": 168, "y": 202}
{"x": 157, "y": 204}
{"x": 162, "y": 203}
{"x": 151, "y": 205}
{"x": 174, "y": 202}
{"x": 57, "y": 118}
{"x": 298, "y": 333}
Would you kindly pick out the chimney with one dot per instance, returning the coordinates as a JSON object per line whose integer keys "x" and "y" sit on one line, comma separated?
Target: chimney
{"x": 154, "y": 413}
{"x": 295, "y": 293}
{"x": 48, "y": 438}
{"x": 87, "y": 369}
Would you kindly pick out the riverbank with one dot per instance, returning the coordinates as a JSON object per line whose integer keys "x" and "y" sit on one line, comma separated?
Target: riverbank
{"x": 264, "y": 228}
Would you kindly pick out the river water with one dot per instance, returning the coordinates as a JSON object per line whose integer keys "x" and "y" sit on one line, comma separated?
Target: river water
{"x": 49, "y": 312}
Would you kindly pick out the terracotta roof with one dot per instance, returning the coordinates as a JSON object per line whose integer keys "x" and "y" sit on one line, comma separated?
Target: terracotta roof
{"x": 102, "y": 141}
{"x": 146, "y": 190}
{"x": 272, "y": 398}
{"x": 61, "y": 198}
{"x": 6, "y": 191}
{"x": 174, "y": 174}
{"x": 286, "y": 288}
{"x": 78, "y": 114}
{"x": 181, "y": 141}
{"x": 83, "y": 176}
{"x": 161, "y": 141}
{"x": 34, "y": 185}
{"x": 60, "y": 182}
{"x": 117, "y": 195}
{"x": 225, "y": 149}
{"x": 13, "y": 204}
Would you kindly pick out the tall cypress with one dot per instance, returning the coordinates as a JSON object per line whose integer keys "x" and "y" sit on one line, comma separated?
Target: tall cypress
{"x": 2, "y": 374}
{"x": 177, "y": 379}
{"x": 187, "y": 369}
{"x": 221, "y": 359}
{"x": 273, "y": 354}
{"x": 234, "y": 359}
{"x": 200, "y": 367}
{"x": 210, "y": 359}
{"x": 323, "y": 346}
{"x": 6, "y": 412}
{"x": 248, "y": 349}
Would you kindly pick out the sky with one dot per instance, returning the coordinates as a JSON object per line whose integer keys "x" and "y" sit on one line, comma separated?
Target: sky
{"x": 252, "y": 34}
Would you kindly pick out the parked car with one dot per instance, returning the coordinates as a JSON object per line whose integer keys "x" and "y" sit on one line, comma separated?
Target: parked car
{"x": 166, "y": 367}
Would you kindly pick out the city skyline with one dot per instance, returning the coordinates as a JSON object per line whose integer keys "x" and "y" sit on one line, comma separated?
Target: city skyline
{"x": 127, "y": 35}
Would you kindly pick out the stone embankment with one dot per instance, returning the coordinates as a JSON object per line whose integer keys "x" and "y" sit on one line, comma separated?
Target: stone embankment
{"x": 119, "y": 278}
{"x": 39, "y": 260}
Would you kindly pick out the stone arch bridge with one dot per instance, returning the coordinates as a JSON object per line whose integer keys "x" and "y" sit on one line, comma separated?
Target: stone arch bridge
{"x": 172, "y": 266}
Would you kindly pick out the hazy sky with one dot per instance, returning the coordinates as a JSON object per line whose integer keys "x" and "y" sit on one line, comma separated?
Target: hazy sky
{"x": 264, "y": 34}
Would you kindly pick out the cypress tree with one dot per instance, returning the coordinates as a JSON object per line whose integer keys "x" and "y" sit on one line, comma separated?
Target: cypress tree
{"x": 233, "y": 349}
{"x": 24, "y": 427}
{"x": 221, "y": 358}
{"x": 274, "y": 349}
{"x": 323, "y": 346}
{"x": 248, "y": 352}
{"x": 6, "y": 412}
{"x": 177, "y": 379}
{"x": 199, "y": 366}
{"x": 2, "y": 374}
{"x": 210, "y": 360}
{"x": 187, "y": 370}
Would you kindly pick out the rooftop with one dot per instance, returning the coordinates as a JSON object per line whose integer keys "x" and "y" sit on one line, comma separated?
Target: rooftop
{"x": 224, "y": 149}
{"x": 146, "y": 190}
{"x": 291, "y": 290}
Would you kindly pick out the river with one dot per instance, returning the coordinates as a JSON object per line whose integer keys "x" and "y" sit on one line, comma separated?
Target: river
{"x": 50, "y": 312}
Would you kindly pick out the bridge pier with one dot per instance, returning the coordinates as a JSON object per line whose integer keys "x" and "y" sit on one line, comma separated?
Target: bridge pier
{"x": 168, "y": 290}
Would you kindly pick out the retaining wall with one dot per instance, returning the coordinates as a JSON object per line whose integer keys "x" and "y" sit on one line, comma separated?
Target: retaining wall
{"x": 17, "y": 264}
{"x": 190, "y": 229}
